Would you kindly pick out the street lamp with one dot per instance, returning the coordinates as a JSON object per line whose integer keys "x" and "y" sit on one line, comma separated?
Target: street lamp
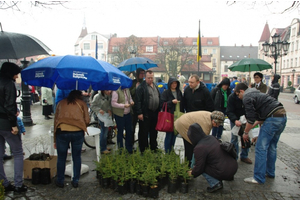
{"x": 293, "y": 71}
{"x": 276, "y": 48}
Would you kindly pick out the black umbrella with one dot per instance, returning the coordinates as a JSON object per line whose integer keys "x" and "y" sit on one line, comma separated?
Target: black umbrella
{"x": 16, "y": 45}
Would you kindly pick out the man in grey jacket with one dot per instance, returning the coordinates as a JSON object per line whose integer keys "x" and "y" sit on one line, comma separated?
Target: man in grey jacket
{"x": 265, "y": 110}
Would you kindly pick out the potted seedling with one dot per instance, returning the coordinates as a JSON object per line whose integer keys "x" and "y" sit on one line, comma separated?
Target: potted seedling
{"x": 185, "y": 177}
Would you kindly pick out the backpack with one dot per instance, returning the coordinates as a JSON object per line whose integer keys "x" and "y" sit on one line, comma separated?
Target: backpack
{"x": 229, "y": 148}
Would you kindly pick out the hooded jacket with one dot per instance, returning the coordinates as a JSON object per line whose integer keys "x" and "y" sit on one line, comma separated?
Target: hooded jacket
{"x": 274, "y": 88}
{"x": 209, "y": 157}
{"x": 133, "y": 86}
{"x": 259, "y": 106}
{"x": 235, "y": 108}
{"x": 8, "y": 96}
{"x": 198, "y": 100}
{"x": 167, "y": 96}
{"x": 218, "y": 96}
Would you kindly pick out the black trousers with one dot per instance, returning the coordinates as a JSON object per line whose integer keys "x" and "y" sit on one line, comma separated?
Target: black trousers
{"x": 147, "y": 127}
{"x": 134, "y": 118}
{"x": 188, "y": 151}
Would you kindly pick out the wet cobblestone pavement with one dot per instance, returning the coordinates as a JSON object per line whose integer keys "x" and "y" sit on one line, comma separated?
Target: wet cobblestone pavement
{"x": 285, "y": 186}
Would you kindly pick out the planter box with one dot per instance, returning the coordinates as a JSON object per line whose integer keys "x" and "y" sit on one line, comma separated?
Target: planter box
{"x": 30, "y": 164}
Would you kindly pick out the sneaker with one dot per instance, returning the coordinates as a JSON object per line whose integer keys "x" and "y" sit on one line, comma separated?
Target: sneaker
{"x": 10, "y": 187}
{"x": 218, "y": 186}
{"x": 21, "y": 189}
{"x": 251, "y": 180}
{"x": 7, "y": 157}
{"x": 105, "y": 152}
{"x": 246, "y": 160}
{"x": 110, "y": 142}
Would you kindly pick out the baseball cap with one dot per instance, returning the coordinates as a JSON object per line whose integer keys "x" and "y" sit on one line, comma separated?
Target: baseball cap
{"x": 218, "y": 117}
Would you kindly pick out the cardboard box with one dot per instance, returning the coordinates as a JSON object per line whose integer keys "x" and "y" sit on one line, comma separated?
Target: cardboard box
{"x": 30, "y": 164}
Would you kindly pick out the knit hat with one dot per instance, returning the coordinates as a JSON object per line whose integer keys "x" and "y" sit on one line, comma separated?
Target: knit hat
{"x": 218, "y": 117}
{"x": 10, "y": 69}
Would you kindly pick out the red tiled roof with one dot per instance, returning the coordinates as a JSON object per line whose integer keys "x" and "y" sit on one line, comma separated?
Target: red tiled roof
{"x": 265, "y": 36}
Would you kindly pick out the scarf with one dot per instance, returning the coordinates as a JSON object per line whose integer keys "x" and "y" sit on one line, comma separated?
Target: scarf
{"x": 225, "y": 97}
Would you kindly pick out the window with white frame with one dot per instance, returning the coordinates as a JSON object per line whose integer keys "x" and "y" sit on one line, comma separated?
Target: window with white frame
{"x": 100, "y": 46}
{"x": 115, "y": 49}
{"x": 194, "y": 42}
{"x": 298, "y": 79}
{"x": 283, "y": 64}
{"x": 214, "y": 51}
{"x": 292, "y": 46}
{"x": 296, "y": 64}
{"x": 291, "y": 62}
{"x": 149, "y": 48}
{"x": 205, "y": 51}
{"x": 297, "y": 44}
{"x": 209, "y": 42}
{"x": 287, "y": 63}
{"x": 93, "y": 37}
{"x": 206, "y": 77}
{"x": 165, "y": 42}
{"x": 226, "y": 68}
{"x": 86, "y": 46}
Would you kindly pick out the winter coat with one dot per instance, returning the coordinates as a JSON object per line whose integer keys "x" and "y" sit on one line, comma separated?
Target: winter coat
{"x": 198, "y": 100}
{"x": 142, "y": 99}
{"x": 167, "y": 96}
{"x": 274, "y": 89}
{"x": 259, "y": 106}
{"x": 72, "y": 114}
{"x": 8, "y": 106}
{"x": 218, "y": 96}
{"x": 262, "y": 87}
{"x": 209, "y": 157}
{"x": 235, "y": 108}
{"x": 133, "y": 86}
{"x": 101, "y": 102}
{"x": 46, "y": 96}
{"x": 183, "y": 123}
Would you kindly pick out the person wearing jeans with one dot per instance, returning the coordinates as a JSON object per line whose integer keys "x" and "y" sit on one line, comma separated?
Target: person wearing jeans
{"x": 8, "y": 126}
{"x": 101, "y": 104}
{"x": 70, "y": 124}
{"x": 63, "y": 138}
{"x": 265, "y": 110}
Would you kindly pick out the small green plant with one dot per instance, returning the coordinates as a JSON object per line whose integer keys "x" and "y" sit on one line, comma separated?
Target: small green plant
{"x": 183, "y": 171}
{"x": 2, "y": 191}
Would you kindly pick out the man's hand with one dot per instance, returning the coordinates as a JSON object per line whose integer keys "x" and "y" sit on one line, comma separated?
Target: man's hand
{"x": 190, "y": 172}
{"x": 132, "y": 103}
{"x": 54, "y": 145}
{"x": 14, "y": 130}
{"x": 245, "y": 137}
{"x": 109, "y": 113}
{"x": 141, "y": 117}
{"x": 126, "y": 105}
{"x": 174, "y": 101}
{"x": 24, "y": 133}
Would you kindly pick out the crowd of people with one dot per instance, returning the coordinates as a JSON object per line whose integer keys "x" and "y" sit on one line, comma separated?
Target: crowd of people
{"x": 201, "y": 124}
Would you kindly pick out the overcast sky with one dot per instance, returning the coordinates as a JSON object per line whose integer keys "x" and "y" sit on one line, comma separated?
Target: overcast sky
{"x": 59, "y": 27}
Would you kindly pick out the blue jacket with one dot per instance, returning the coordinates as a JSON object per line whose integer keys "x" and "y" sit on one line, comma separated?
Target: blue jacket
{"x": 162, "y": 86}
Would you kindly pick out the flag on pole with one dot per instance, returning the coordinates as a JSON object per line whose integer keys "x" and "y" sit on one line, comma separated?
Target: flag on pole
{"x": 96, "y": 51}
{"x": 199, "y": 52}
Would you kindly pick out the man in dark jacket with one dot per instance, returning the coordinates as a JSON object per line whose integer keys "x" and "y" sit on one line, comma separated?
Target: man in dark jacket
{"x": 274, "y": 88}
{"x": 262, "y": 109}
{"x": 236, "y": 109}
{"x": 197, "y": 97}
{"x": 172, "y": 96}
{"x": 8, "y": 126}
{"x": 210, "y": 160}
{"x": 140, "y": 75}
{"x": 219, "y": 96}
{"x": 147, "y": 106}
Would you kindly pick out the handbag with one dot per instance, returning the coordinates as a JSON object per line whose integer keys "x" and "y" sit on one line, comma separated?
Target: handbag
{"x": 165, "y": 120}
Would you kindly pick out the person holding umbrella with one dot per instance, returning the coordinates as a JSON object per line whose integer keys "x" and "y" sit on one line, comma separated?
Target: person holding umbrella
{"x": 70, "y": 124}
{"x": 8, "y": 126}
{"x": 258, "y": 84}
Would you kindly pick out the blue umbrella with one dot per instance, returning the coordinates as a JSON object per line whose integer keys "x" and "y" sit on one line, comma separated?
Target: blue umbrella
{"x": 132, "y": 64}
{"x": 75, "y": 72}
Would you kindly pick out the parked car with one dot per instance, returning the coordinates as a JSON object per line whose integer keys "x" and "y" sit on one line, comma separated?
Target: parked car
{"x": 297, "y": 95}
